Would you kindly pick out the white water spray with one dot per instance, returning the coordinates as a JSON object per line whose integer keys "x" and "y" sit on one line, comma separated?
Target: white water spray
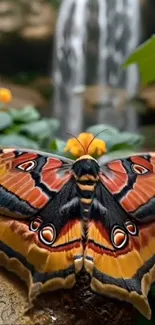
{"x": 93, "y": 38}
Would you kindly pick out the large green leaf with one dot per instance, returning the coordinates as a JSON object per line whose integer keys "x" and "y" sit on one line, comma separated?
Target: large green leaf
{"x": 40, "y": 130}
{"x": 24, "y": 115}
{"x": 116, "y": 140}
{"x": 53, "y": 124}
{"x": 103, "y": 128}
{"x": 5, "y": 120}
{"x": 117, "y": 154}
{"x": 144, "y": 56}
{"x": 125, "y": 140}
{"x": 17, "y": 141}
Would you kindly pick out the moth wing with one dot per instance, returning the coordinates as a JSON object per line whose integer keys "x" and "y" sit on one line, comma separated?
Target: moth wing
{"x": 132, "y": 182}
{"x": 120, "y": 253}
{"x": 40, "y": 233}
{"x": 28, "y": 180}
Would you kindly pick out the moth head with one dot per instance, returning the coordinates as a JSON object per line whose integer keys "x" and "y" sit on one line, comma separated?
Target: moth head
{"x": 86, "y": 165}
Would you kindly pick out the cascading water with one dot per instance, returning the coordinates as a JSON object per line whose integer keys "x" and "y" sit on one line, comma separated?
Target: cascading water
{"x": 93, "y": 38}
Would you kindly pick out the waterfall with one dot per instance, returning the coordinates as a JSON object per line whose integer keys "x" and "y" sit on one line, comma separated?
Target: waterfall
{"x": 120, "y": 37}
{"x": 69, "y": 65}
{"x": 92, "y": 40}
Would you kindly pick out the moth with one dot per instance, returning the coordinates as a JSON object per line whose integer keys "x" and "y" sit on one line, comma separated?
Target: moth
{"x": 58, "y": 216}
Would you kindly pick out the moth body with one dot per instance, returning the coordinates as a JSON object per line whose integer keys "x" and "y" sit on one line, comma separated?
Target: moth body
{"x": 86, "y": 172}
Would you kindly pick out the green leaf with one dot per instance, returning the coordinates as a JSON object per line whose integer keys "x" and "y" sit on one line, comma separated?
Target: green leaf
{"x": 5, "y": 120}
{"x": 144, "y": 56}
{"x": 40, "y": 130}
{"x": 125, "y": 140}
{"x": 58, "y": 146}
{"x": 14, "y": 128}
{"x": 104, "y": 128}
{"x": 114, "y": 139}
{"x": 17, "y": 141}
{"x": 24, "y": 115}
{"x": 117, "y": 154}
{"x": 53, "y": 124}
{"x": 122, "y": 146}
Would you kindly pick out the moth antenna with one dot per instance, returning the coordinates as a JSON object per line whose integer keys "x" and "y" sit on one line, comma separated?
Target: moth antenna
{"x": 84, "y": 151}
{"x": 95, "y": 136}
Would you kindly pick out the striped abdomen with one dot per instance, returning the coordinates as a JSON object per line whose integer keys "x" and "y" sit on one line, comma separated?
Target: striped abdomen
{"x": 86, "y": 188}
{"x": 86, "y": 173}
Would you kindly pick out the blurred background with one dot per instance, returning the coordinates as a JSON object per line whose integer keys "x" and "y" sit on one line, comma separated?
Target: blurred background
{"x": 61, "y": 59}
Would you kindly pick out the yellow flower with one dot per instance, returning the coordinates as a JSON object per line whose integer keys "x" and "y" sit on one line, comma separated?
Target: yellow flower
{"x": 5, "y": 95}
{"x": 83, "y": 145}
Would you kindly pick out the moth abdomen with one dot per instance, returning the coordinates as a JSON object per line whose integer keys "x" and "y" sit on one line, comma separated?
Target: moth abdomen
{"x": 86, "y": 173}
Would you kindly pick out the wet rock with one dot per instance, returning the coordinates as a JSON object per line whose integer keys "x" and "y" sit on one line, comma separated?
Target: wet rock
{"x": 24, "y": 96}
{"x": 33, "y": 19}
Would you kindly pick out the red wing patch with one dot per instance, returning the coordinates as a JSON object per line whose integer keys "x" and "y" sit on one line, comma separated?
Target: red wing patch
{"x": 142, "y": 162}
{"x": 51, "y": 177}
{"x": 143, "y": 190}
{"x": 29, "y": 177}
{"x": 116, "y": 178}
{"x": 132, "y": 182}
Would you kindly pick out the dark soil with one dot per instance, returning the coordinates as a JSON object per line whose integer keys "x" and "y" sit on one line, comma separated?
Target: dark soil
{"x": 78, "y": 306}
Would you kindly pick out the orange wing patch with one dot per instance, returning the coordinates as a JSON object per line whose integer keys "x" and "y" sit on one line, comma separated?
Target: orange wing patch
{"x": 125, "y": 273}
{"x": 51, "y": 266}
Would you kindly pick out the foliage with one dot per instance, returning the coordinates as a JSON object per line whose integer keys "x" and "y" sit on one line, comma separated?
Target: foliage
{"x": 118, "y": 143}
{"x": 144, "y": 56}
{"x": 55, "y": 3}
{"x": 25, "y": 128}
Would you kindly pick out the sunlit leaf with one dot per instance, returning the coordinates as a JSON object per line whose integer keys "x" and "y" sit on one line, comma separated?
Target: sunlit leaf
{"x": 5, "y": 120}
{"x": 116, "y": 140}
{"x": 24, "y": 115}
{"x": 125, "y": 140}
{"x": 40, "y": 130}
{"x": 53, "y": 124}
{"x": 144, "y": 56}
{"x": 17, "y": 141}
{"x": 103, "y": 128}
